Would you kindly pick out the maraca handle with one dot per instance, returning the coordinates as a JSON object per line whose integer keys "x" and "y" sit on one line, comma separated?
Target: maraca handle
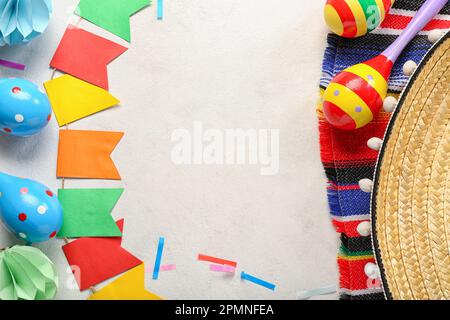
{"x": 426, "y": 13}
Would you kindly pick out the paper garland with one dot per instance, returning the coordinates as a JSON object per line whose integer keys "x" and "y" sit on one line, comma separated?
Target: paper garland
{"x": 86, "y": 154}
{"x": 87, "y": 212}
{"x": 94, "y": 260}
{"x": 85, "y": 55}
{"x": 97, "y": 256}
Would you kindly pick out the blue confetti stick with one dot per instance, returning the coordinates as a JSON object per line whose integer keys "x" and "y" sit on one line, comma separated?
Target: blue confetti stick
{"x": 268, "y": 285}
{"x": 160, "y": 9}
{"x": 158, "y": 258}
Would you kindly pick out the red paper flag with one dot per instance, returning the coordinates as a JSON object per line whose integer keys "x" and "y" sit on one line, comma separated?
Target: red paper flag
{"x": 94, "y": 260}
{"x": 86, "y": 56}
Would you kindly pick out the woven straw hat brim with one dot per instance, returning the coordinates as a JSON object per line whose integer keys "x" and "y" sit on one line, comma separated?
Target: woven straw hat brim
{"x": 411, "y": 197}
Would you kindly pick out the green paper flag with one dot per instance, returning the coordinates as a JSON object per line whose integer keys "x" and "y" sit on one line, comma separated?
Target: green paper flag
{"x": 111, "y": 15}
{"x": 87, "y": 212}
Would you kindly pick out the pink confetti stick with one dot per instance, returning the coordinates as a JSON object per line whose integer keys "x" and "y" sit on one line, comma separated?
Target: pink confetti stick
{"x": 12, "y": 65}
{"x": 221, "y": 268}
{"x": 168, "y": 267}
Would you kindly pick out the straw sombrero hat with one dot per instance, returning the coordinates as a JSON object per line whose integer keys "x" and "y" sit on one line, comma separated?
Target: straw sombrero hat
{"x": 411, "y": 198}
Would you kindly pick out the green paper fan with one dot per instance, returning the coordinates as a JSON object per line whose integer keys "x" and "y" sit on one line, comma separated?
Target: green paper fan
{"x": 26, "y": 274}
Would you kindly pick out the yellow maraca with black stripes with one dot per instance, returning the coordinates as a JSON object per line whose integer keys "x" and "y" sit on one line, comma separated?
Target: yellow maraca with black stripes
{"x": 355, "y": 18}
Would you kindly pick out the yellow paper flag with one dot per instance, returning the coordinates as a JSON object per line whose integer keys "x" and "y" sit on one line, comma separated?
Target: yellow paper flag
{"x": 73, "y": 99}
{"x": 130, "y": 286}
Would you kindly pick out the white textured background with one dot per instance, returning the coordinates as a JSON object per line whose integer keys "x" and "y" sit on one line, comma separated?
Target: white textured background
{"x": 230, "y": 64}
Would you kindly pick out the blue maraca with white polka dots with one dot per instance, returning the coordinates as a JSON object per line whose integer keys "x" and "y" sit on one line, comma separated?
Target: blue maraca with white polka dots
{"x": 28, "y": 209}
{"x": 24, "y": 108}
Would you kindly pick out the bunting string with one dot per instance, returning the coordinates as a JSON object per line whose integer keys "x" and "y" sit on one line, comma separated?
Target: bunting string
{"x": 91, "y": 237}
{"x": 65, "y": 239}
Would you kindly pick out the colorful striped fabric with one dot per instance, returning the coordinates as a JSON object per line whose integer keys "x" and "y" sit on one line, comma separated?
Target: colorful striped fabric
{"x": 345, "y": 155}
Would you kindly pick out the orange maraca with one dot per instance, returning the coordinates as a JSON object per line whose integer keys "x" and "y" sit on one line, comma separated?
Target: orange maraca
{"x": 356, "y": 94}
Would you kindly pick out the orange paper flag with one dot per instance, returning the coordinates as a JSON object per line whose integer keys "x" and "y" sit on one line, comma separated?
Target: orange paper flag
{"x": 86, "y": 154}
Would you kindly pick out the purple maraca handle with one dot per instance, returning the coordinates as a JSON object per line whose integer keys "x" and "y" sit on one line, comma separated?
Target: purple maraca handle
{"x": 426, "y": 13}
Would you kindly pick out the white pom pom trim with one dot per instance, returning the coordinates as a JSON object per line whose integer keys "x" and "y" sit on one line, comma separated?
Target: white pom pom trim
{"x": 389, "y": 104}
{"x": 374, "y": 143}
{"x": 409, "y": 68}
{"x": 371, "y": 270}
{"x": 435, "y": 35}
{"x": 364, "y": 229}
{"x": 366, "y": 185}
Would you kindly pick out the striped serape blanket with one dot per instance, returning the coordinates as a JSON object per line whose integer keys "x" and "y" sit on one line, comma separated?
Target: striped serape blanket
{"x": 346, "y": 156}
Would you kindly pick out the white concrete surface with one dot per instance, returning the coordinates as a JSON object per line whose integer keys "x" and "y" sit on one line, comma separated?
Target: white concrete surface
{"x": 229, "y": 64}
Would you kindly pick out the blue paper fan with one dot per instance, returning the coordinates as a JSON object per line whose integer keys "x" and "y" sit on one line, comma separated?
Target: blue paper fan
{"x": 23, "y": 20}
